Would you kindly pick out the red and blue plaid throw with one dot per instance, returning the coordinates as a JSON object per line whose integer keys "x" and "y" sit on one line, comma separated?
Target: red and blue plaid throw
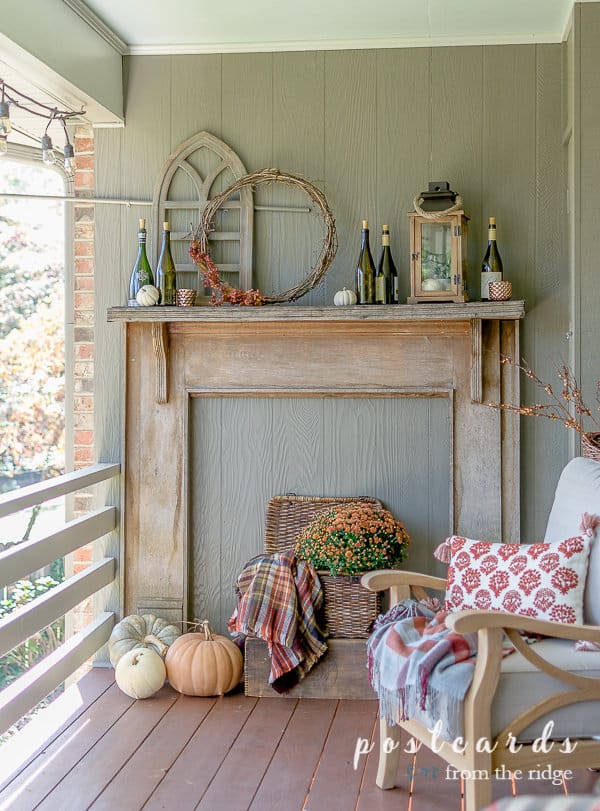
{"x": 280, "y": 600}
{"x": 418, "y": 666}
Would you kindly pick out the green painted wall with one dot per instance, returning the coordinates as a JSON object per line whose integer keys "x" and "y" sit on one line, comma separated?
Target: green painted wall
{"x": 371, "y": 128}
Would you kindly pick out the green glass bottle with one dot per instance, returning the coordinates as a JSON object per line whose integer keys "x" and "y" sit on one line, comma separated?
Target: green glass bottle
{"x": 491, "y": 267}
{"x": 141, "y": 273}
{"x": 365, "y": 269}
{"x": 165, "y": 270}
{"x": 386, "y": 278}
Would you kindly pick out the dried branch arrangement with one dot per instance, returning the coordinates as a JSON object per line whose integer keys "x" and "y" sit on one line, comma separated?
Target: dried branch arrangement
{"x": 567, "y": 406}
{"x": 223, "y": 292}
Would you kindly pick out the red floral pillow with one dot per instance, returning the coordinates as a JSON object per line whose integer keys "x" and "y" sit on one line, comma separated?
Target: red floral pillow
{"x": 541, "y": 580}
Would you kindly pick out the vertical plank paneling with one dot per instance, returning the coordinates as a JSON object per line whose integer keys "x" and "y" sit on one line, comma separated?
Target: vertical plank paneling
{"x": 439, "y": 484}
{"x": 195, "y": 96}
{"x": 298, "y": 440}
{"x": 508, "y": 194}
{"x": 549, "y": 285}
{"x": 413, "y": 470}
{"x": 350, "y": 154}
{"x": 403, "y": 147}
{"x": 246, "y": 459}
{"x": 394, "y": 448}
{"x": 350, "y": 458}
{"x": 145, "y": 148}
{"x": 248, "y": 129}
{"x": 588, "y": 213}
{"x": 371, "y": 128}
{"x": 110, "y": 286}
{"x": 298, "y": 138}
{"x": 456, "y": 136}
{"x": 206, "y": 506}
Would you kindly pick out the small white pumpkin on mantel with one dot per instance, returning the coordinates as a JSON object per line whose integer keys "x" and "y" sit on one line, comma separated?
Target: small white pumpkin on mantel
{"x": 344, "y": 298}
{"x": 147, "y": 296}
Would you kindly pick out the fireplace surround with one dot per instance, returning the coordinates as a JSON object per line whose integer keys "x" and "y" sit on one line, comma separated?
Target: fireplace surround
{"x": 173, "y": 355}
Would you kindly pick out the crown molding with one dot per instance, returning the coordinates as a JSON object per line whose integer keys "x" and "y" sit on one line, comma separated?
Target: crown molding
{"x": 95, "y": 23}
{"x": 339, "y": 45}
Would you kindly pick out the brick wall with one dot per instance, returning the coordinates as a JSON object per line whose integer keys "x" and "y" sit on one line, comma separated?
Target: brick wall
{"x": 83, "y": 341}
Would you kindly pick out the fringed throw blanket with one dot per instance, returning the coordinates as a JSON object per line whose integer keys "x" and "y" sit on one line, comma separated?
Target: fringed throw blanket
{"x": 280, "y": 600}
{"x": 417, "y": 666}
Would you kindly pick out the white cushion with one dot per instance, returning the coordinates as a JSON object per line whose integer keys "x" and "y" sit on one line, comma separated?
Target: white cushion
{"x": 521, "y": 685}
{"x": 577, "y": 492}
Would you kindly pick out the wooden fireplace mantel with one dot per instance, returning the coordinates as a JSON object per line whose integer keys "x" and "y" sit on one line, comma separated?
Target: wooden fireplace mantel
{"x": 173, "y": 355}
{"x": 434, "y": 315}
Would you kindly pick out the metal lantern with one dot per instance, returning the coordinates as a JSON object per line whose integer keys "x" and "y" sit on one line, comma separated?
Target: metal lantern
{"x": 438, "y": 246}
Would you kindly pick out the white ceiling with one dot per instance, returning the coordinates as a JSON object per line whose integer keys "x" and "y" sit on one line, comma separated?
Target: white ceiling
{"x": 198, "y": 26}
{"x": 213, "y": 26}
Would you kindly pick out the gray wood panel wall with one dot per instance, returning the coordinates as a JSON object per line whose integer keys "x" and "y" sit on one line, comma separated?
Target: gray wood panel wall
{"x": 586, "y": 202}
{"x": 246, "y": 450}
{"x": 371, "y": 128}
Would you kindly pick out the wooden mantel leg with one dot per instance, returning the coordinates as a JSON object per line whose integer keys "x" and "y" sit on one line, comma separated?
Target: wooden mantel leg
{"x": 476, "y": 361}
{"x": 160, "y": 341}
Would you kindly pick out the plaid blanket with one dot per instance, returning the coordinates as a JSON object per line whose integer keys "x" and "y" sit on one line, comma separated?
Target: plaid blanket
{"x": 418, "y": 666}
{"x": 280, "y": 600}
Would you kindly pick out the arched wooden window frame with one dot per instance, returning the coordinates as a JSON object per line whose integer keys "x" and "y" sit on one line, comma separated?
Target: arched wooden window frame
{"x": 178, "y": 161}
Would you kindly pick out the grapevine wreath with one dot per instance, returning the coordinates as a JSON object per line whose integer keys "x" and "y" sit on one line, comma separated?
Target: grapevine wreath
{"x": 222, "y": 291}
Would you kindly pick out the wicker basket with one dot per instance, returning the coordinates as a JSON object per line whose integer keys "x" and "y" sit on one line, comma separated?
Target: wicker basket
{"x": 349, "y": 608}
{"x": 590, "y": 446}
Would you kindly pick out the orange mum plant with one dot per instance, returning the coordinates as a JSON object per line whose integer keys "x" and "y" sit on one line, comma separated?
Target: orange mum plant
{"x": 353, "y": 538}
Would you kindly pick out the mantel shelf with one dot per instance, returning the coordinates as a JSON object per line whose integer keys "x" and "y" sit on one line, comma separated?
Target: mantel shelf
{"x": 498, "y": 310}
{"x": 437, "y": 315}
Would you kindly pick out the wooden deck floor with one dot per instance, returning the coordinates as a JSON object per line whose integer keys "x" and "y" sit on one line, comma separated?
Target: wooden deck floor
{"x": 97, "y": 749}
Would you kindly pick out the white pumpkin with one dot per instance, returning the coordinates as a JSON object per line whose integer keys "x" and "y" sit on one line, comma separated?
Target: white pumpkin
{"x": 148, "y": 295}
{"x": 141, "y": 631}
{"x": 344, "y": 298}
{"x": 140, "y": 673}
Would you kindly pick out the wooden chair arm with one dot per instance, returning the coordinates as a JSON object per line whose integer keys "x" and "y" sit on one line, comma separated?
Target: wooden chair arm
{"x": 468, "y": 622}
{"x": 401, "y": 585}
{"x": 383, "y": 579}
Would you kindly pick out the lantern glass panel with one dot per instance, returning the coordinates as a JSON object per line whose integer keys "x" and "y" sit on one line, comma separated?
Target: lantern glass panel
{"x": 436, "y": 255}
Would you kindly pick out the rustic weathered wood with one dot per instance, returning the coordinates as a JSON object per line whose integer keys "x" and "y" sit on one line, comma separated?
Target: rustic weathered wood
{"x": 476, "y": 361}
{"x": 457, "y": 292}
{"x": 160, "y": 342}
{"x": 341, "y": 673}
{"x": 439, "y": 311}
{"x": 196, "y": 165}
{"x": 260, "y": 362}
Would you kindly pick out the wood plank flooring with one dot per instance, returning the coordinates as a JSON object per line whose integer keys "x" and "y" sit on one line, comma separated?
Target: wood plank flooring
{"x": 94, "y": 748}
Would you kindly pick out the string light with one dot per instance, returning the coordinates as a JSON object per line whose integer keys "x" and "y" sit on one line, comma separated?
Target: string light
{"x": 12, "y": 97}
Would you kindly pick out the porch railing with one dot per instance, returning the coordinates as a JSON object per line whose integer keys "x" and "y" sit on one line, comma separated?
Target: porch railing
{"x": 19, "y": 562}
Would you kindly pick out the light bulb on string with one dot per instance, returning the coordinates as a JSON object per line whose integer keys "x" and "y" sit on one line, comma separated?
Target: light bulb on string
{"x": 5, "y": 126}
{"x": 69, "y": 154}
{"x": 68, "y": 151}
{"x": 48, "y": 153}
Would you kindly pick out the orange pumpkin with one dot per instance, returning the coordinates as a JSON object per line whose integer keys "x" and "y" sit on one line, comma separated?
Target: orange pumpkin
{"x": 203, "y": 664}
